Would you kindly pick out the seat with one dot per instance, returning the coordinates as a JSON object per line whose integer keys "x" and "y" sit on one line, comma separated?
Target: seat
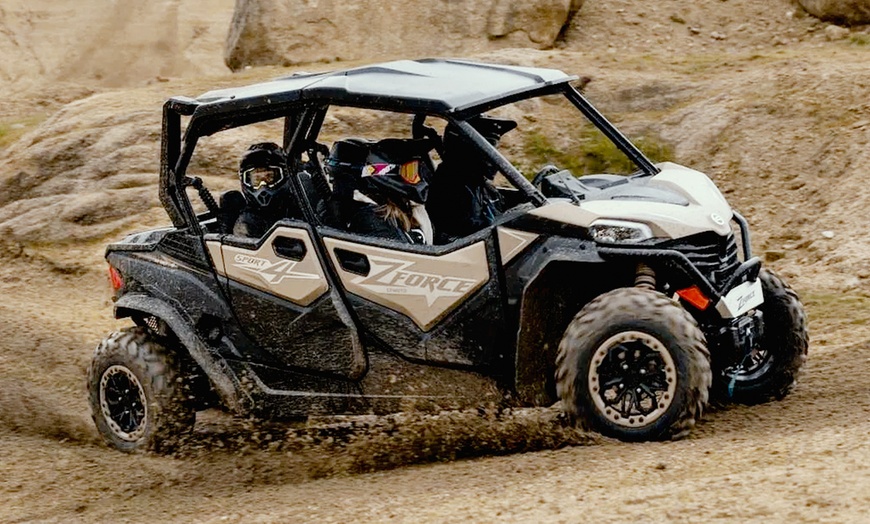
{"x": 232, "y": 203}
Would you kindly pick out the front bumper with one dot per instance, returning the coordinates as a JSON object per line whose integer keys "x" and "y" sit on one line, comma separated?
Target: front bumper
{"x": 733, "y": 287}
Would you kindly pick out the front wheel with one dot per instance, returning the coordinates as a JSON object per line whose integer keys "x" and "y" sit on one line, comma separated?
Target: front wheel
{"x": 634, "y": 365}
{"x": 140, "y": 399}
{"x": 770, "y": 370}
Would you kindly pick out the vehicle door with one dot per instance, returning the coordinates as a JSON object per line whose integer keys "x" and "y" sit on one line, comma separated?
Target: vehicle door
{"x": 440, "y": 304}
{"x": 285, "y": 302}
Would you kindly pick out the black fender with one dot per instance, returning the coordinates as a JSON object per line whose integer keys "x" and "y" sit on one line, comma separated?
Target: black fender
{"x": 223, "y": 379}
{"x": 553, "y": 284}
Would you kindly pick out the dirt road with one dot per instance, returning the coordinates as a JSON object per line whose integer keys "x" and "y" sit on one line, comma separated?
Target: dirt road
{"x": 802, "y": 459}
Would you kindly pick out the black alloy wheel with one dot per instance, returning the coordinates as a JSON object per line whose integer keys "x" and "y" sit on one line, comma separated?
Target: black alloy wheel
{"x": 123, "y": 403}
{"x": 633, "y": 378}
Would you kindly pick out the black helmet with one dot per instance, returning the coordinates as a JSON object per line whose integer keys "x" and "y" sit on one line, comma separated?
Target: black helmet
{"x": 457, "y": 148}
{"x": 393, "y": 168}
{"x": 492, "y": 129}
{"x": 263, "y": 173}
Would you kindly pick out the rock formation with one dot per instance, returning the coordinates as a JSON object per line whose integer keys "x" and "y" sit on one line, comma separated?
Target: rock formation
{"x": 286, "y": 32}
{"x": 849, "y": 12}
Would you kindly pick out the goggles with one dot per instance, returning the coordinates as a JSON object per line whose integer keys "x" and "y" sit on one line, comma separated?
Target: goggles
{"x": 264, "y": 176}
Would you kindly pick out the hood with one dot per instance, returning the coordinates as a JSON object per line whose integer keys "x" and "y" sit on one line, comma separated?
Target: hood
{"x": 675, "y": 203}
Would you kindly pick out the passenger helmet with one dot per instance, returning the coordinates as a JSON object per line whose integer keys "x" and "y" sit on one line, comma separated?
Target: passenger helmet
{"x": 390, "y": 169}
{"x": 263, "y": 174}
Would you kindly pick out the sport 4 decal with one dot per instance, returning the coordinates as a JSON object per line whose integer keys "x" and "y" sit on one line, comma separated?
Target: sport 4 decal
{"x": 270, "y": 272}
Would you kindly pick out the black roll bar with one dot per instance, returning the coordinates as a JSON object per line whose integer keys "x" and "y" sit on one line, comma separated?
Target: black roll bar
{"x": 624, "y": 144}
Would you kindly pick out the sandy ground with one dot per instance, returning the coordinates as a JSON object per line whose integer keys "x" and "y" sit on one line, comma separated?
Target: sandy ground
{"x": 774, "y": 111}
{"x": 802, "y": 459}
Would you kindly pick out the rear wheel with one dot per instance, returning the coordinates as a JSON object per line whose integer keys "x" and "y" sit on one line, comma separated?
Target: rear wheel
{"x": 770, "y": 370}
{"x": 634, "y": 365}
{"x": 139, "y": 397}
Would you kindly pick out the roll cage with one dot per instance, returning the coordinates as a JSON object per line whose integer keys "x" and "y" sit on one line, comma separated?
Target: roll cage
{"x": 302, "y": 100}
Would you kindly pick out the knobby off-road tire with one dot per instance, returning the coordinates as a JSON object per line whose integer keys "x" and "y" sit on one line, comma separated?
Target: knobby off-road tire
{"x": 771, "y": 373}
{"x": 140, "y": 399}
{"x": 634, "y": 365}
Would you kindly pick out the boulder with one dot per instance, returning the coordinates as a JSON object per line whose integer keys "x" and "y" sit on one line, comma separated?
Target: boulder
{"x": 90, "y": 172}
{"x": 289, "y": 32}
{"x": 849, "y": 12}
{"x": 835, "y": 32}
{"x": 84, "y": 173}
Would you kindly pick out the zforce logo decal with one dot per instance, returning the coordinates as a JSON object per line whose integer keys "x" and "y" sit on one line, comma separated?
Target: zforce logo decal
{"x": 270, "y": 272}
{"x": 423, "y": 287}
{"x": 397, "y": 277}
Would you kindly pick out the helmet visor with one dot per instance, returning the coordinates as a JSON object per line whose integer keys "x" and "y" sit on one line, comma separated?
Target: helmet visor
{"x": 262, "y": 176}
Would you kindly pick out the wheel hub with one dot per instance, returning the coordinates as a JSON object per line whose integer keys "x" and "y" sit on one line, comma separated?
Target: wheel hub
{"x": 751, "y": 357}
{"x": 122, "y": 403}
{"x": 632, "y": 379}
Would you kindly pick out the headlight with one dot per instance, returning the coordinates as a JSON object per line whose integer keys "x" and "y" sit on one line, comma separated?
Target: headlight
{"x": 619, "y": 232}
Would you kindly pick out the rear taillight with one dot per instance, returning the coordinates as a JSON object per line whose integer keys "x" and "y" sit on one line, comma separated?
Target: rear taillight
{"x": 115, "y": 279}
{"x": 694, "y": 296}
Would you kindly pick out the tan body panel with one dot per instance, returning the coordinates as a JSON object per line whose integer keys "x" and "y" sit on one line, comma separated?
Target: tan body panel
{"x": 217, "y": 258}
{"x": 707, "y": 209}
{"x": 512, "y": 242}
{"x": 423, "y": 287}
{"x": 301, "y": 282}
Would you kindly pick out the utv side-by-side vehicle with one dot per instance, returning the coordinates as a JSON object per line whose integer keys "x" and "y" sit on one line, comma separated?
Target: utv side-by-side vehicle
{"x": 632, "y": 299}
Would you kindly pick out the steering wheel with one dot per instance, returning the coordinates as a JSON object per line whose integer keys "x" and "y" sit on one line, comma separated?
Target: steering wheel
{"x": 544, "y": 172}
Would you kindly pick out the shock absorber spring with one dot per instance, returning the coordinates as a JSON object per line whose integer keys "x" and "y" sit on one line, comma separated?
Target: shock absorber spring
{"x": 645, "y": 276}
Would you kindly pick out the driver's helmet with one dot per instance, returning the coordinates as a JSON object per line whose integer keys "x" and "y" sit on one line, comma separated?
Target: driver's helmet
{"x": 457, "y": 148}
{"x": 263, "y": 174}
